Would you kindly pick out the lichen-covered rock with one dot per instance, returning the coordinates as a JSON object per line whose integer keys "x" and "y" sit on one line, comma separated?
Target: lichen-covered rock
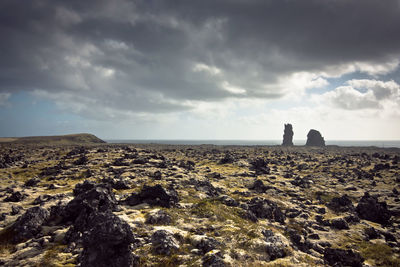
{"x": 277, "y": 246}
{"x": 266, "y": 209}
{"x": 158, "y": 217}
{"x": 213, "y": 258}
{"x": 108, "y": 242}
{"x": 314, "y": 138}
{"x": 164, "y": 242}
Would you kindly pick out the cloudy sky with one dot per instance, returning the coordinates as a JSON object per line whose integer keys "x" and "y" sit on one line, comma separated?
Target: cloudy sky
{"x": 225, "y": 69}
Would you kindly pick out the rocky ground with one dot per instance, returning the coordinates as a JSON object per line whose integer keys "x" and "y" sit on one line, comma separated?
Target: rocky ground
{"x": 160, "y": 205}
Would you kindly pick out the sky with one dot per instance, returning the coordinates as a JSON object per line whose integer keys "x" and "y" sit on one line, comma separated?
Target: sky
{"x": 226, "y": 69}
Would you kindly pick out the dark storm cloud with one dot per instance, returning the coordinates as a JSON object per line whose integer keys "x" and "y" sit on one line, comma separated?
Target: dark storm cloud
{"x": 158, "y": 56}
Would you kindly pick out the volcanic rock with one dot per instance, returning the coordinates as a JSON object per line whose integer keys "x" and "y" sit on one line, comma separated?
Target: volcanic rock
{"x": 164, "y": 242}
{"x": 314, "y": 138}
{"x": 288, "y": 135}
{"x": 159, "y": 217}
{"x": 266, "y": 209}
{"x": 155, "y": 196}
{"x": 108, "y": 242}
{"x": 340, "y": 204}
{"x": 369, "y": 208}
{"x": 29, "y": 224}
{"x": 341, "y": 257}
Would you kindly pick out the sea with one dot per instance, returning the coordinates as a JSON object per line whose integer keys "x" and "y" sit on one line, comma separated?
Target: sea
{"x": 345, "y": 143}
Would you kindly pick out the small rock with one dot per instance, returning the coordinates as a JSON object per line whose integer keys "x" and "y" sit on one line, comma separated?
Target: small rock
{"x": 159, "y": 217}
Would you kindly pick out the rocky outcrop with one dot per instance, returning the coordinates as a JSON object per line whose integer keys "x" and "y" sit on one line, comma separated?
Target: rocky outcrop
{"x": 314, "y": 138}
{"x": 288, "y": 135}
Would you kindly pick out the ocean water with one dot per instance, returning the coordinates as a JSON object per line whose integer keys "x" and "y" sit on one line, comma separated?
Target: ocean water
{"x": 364, "y": 143}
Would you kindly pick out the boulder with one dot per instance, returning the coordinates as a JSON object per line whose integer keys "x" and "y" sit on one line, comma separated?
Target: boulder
{"x": 158, "y": 217}
{"x": 164, "y": 242}
{"x": 155, "y": 196}
{"x": 341, "y": 204}
{"x": 314, "y": 138}
{"x": 369, "y": 208}
{"x": 277, "y": 245}
{"x": 266, "y": 209}
{"x": 108, "y": 242}
{"x": 15, "y": 197}
{"x": 213, "y": 258}
{"x": 29, "y": 224}
{"x": 342, "y": 257}
{"x": 288, "y": 135}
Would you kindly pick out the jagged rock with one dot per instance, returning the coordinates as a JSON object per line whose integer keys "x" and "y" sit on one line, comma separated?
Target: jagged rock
{"x": 91, "y": 199}
{"x": 371, "y": 233}
{"x": 259, "y": 165}
{"x": 288, "y": 135}
{"x": 164, "y": 242}
{"x": 82, "y": 160}
{"x": 339, "y": 223}
{"x": 369, "y": 208}
{"x": 108, "y": 242}
{"x": 206, "y": 187}
{"x": 305, "y": 182}
{"x": 204, "y": 243}
{"x": 154, "y": 195}
{"x": 259, "y": 186}
{"x": 276, "y": 245}
{"x": 314, "y": 138}
{"x": 227, "y": 200}
{"x": 32, "y": 182}
{"x": 29, "y": 224}
{"x": 266, "y": 209}
{"x": 342, "y": 257}
{"x": 159, "y": 217}
{"x": 228, "y": 158}
{"x": 15, "y": 209}
{"x": 117, "y": 184}
{"x": 341, "y": 204}
{"x": 213, "y": 259}
{"x": 15, "y": 197}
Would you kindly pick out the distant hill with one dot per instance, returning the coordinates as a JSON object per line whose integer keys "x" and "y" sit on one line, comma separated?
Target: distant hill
{"x": 82, "y": 138}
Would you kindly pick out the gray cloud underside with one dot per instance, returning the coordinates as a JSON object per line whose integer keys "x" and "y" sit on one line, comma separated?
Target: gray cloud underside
{"x": 141, "y": 55}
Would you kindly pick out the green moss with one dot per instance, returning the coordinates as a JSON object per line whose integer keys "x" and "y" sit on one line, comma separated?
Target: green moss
{"x": 380, "y": 253}
{"x": 54, "y": 257}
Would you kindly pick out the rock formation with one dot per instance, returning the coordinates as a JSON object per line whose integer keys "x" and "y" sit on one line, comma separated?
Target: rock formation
{"x": 288, "y": 135}
{"x": 314, "y": 138}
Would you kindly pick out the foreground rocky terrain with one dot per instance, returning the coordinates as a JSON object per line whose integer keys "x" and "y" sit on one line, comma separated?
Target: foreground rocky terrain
{"x": 161, "y": 205}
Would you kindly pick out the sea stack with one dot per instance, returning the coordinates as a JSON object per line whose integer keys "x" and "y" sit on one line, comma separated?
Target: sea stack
{"x": 288, "y": 135}
{"x": 314, "y": 138}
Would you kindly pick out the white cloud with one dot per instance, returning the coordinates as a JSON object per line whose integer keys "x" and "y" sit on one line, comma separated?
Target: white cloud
{"x": 201, "y": 67}
{"x": 362, "y": 94}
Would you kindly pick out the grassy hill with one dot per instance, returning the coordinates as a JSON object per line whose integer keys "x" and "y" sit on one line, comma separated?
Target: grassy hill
{"x": 82, "y": 138}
